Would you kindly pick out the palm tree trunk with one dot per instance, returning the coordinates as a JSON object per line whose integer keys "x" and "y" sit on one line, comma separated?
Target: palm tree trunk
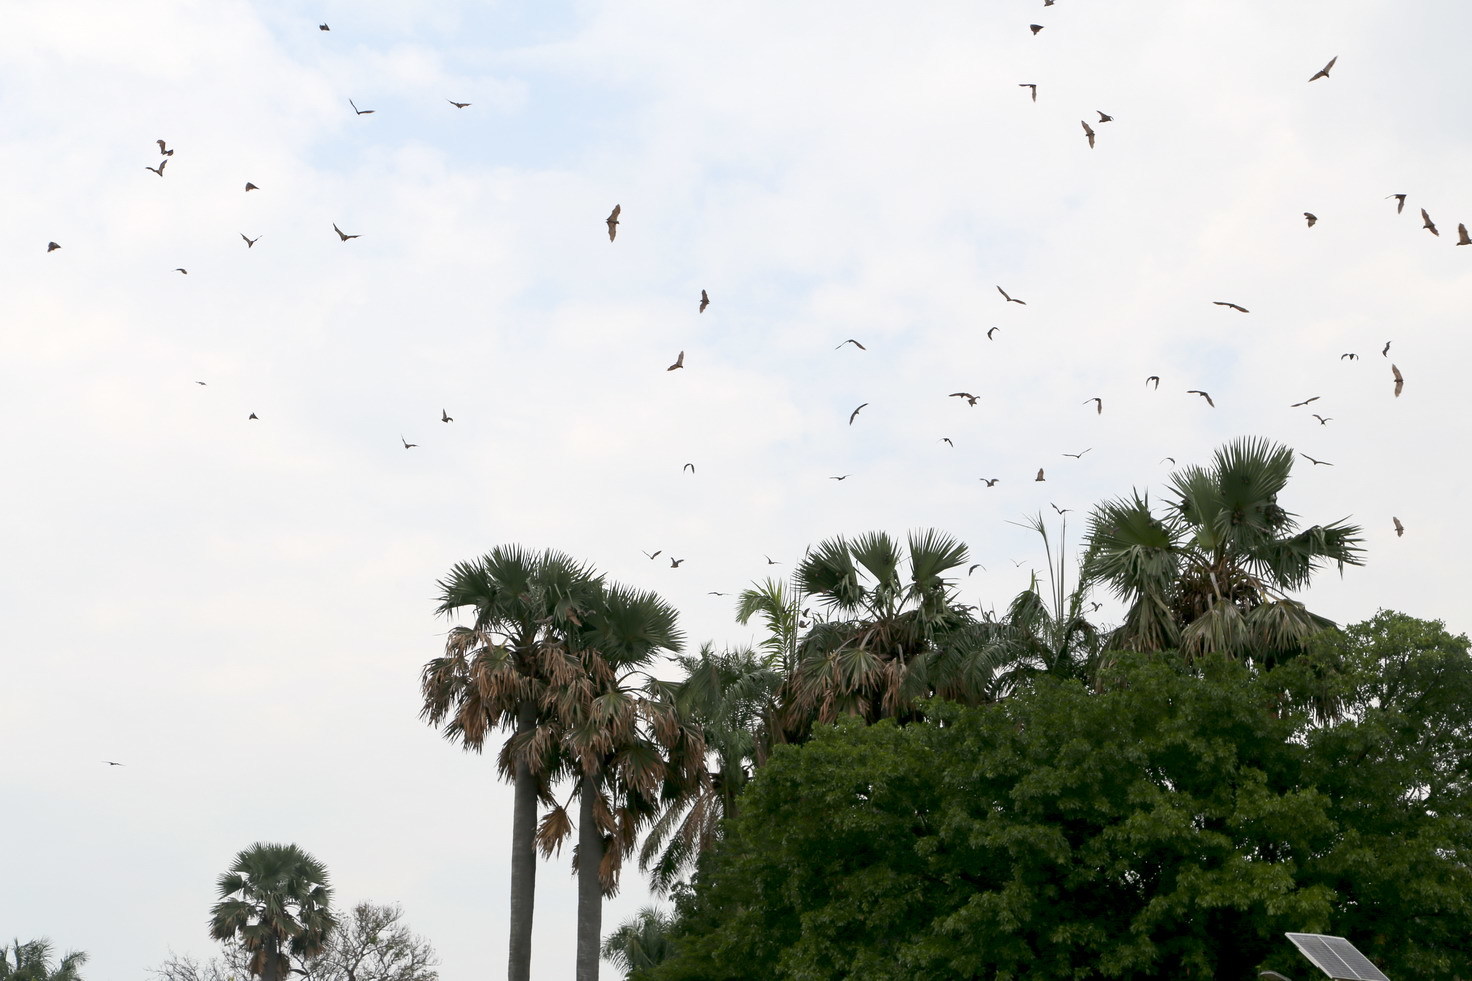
{"x": 271, "y": 972}
{"x": 523, "y": 856}
{"x": 590, "y": 889}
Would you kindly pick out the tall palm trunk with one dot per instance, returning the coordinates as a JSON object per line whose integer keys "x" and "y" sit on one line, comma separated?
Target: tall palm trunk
{"x": 523, "y": 855}
{"x": 590, "y": 889}
{"x": 271, "y": 971}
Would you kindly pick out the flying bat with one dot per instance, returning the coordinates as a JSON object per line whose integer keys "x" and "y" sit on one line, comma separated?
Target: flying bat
{"x": 407, "y": 445}
{"x": 323, "y": 27}
{"x": 1104, "y": 117}
{"x": 361, "y": 112}
{"x": 1322, "y": 420}
{"x": 1155, "y": 379}
{"x": 1324, "y": 72}
{"x": 457, "y": 105}
{"x": 159, "y": 170}
{"x": 989, "y": 481}
{"x": 1350, "y": 355}
{"x": 970, "y": 399}
{"x": 1035, "y": 28}
{"x": 854, "y": 414}
{"x": 770, "y": 560}
{"x": 1224, "y": 303}
{"x": 1316, "y": 462}
{"x": 1196, "y": 391}
{"x": 52, "y": 246}
{"x": 1029, "y": 85}
{"x": 1400, "y": 382}
{"x": 1400, "y": 201}
{"x": 1089, "y": 132}
{"x": 612, "y": 221}
{"x": 704, "y": 300}
{"x": 342, "y": 234}
{"x": 1039, "y": 476}
{"x": 1400, "y": 529}
{"x": 947, "y": 440}
{"x": 854, "y": 343}
{"x": 1384, "y": 351}
{"x": 181, "y": 269}
{"x": 675, "y": 563}
{"x": 991, "y": 331}
{"x": 1078, "y": 456}
{"x": 251, "y": 187}
{"x": 111, "y": 763}
{"x": 163, "y": 149}
{"x": 1429, "y": 225}
{"x": 1008, "y": 298}
{"x": 252, "y": 416}
{"x": 679, "y": 362}
{"x": 445, "y": 416}
{"x": 653, "y": 555}
{"x": 250, "y": 242}
{"x": 689, "y": 466}
{"x": 1296, "y": 405}
{"x": 1462, "y": 238}
{"x": 1098, "y": 403}
{"x": 844, "y": 477}
{"x": 1312, "y": 218}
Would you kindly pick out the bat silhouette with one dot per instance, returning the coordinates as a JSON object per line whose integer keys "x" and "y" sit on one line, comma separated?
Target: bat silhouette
{"x": 1324, "y": 72}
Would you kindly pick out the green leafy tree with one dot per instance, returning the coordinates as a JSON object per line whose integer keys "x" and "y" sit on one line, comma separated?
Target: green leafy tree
{"x": 1172, "y": 825}
{"x": 276, "y": 904}
{"x": 32, "y": 962}
{"x": 494, "y": 675}
{"x": 893, "y": 631}
{"x": 1395, "y": 762}
{"x": 1213, "y": 573}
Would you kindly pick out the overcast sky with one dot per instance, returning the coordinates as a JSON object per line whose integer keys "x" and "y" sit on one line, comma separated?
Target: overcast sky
{"x": 239, "y": 610}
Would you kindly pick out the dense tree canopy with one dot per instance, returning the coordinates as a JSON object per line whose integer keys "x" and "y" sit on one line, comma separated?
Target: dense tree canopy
{"x": 1172, "y": 825}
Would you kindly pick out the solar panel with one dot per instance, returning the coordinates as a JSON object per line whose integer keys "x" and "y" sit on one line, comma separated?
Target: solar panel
{"x": 1336, "y": 957}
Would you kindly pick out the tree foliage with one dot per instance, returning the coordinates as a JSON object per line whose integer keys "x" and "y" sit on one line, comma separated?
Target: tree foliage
{"x": 31, "y": 961}
{"x": 1212, "y": 574}
{"x": 893, "y": 630}
{"x": 1172, "y": 825}
{"x": 372, "y": 944}
{"x": 276, "y": 904}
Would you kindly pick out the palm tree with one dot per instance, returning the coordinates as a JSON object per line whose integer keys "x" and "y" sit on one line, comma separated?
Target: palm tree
{"x": 892, "y": 634}
{"x": 1212, "y": 575}
{"x": 779, "y": 611}
{"x": 1049, "y": 635}
{"x": 641, "y": 942}
{"x": 730, "y": 695}
{"x": 275, "y": 903}
{"x": 33, "y": 963}
{"x": 622, "y": 746}
{"x": 494, "y": 674}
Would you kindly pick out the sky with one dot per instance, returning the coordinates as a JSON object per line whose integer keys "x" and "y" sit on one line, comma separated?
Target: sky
{"x": 238, "y": 610}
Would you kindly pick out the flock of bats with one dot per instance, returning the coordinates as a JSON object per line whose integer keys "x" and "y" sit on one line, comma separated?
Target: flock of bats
{"x": 166, "y": 153}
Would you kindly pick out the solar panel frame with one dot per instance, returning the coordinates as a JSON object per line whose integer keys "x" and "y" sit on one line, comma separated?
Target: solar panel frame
{"x": 1336, "y": 957}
